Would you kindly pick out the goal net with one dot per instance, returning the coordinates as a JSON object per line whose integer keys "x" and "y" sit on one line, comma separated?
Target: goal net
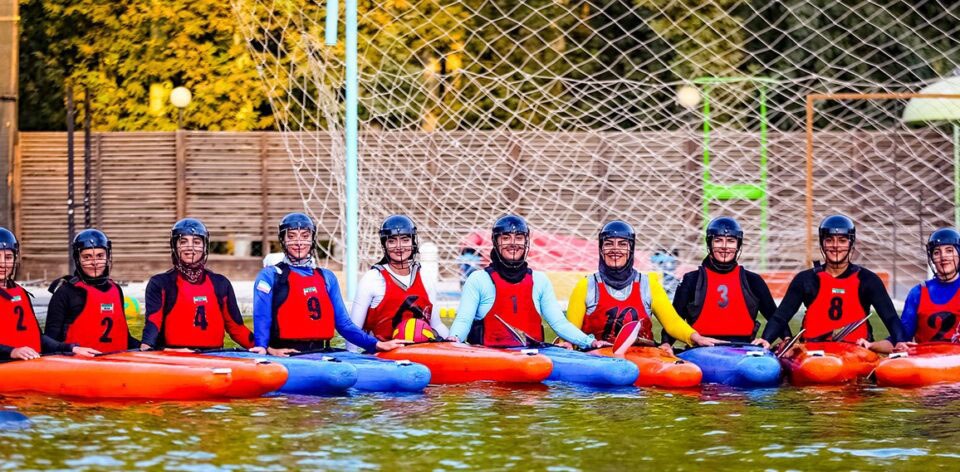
{"x": 663, "y": 113}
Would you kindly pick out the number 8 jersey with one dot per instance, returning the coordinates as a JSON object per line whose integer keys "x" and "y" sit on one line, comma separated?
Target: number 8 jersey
{"x": 837, "y": 304}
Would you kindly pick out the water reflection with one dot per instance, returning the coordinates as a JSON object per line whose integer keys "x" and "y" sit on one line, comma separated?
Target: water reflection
{"x": 491, "y": 426}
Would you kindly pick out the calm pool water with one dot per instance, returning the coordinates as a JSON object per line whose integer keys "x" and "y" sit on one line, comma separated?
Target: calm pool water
{"x": 484, "y": 426}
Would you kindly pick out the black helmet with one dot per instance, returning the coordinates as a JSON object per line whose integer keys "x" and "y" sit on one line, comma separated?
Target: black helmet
{"x": 9, "y": 242}
{"x": 942, "y": 237}
{"x": 724, "y": 226}
{"x": 92, "y": 239}
{"x": 511, "y": 224}
{"x": 188, "y": 227}
{"x": 618, "y": 229}
{"x": 837, "y": 225}
{"x": 398, "y": 225}
{"x": 297, "y": 220}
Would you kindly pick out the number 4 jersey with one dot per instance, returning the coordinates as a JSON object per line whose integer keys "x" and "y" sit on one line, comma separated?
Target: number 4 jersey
{"x": 185, "y": 315}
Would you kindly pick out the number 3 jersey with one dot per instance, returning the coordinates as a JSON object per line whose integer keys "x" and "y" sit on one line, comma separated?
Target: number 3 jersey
{"x": 181, "y": 314}
{"x": 88, "y": 315}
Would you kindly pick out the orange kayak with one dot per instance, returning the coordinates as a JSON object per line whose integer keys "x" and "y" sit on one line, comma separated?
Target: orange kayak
{"x": 828, "y": 363}
{"x": 99, "y": 378}
{"x": 925, "y": 364}
{"x": 657, "y": 368}
{"x": 458, "y": 363}
{"x": 251, "y": 377}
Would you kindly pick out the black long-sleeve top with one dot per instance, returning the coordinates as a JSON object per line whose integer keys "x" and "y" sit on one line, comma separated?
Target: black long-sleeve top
{"x": 805, "y": 285}
{"x": 67, "y": 303}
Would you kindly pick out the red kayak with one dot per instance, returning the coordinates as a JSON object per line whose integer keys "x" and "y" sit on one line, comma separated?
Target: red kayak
{"x": 251, "y": 377}
{"x": 100, "y": 378}
{"x": 657, "y": 368}
{"x": 828, "y": 363}
{"x": 458, "y": 363}
{"x": 924, "y": 364}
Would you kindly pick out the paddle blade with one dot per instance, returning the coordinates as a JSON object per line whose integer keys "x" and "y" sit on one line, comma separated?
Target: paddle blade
{"x": 626, "y": 337}
{"x": 793, "y": 342}
{"x": 517, "y": 335}
{"x": 846, "y": 330}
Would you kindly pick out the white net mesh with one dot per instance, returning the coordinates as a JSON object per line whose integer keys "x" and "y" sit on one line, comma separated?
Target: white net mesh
{"x": 568, "y": 113}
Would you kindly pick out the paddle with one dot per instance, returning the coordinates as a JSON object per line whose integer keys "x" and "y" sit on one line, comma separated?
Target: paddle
{"x": 524, "y": 339}
{"x": 626, "y": 337}
{"x": 793, "y": 342}
{"x": 846, "y": 330}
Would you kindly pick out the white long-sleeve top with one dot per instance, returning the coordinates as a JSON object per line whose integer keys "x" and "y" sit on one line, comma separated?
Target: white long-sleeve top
{"x": 370, "y": 293}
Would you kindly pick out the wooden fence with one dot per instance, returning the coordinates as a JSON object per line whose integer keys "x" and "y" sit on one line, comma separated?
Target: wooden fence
{"x": 240, "y": 184}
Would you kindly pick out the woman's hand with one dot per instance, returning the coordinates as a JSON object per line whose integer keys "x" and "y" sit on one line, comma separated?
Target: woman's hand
{"x": 765, "y": 344}
{"x": 392, "y": 344}
{"x": 85, "y": 351}
{"x": 667, "y": 348}
{"x": 25, "y": 353}
{"x": 699, "y": 340}
{"x": 904, "y": 346}
{"x": 258, "y": 350}
{"x": 598, "y": 343}
{"x": 145, "y": 347}
{"x": 281, "y": 352}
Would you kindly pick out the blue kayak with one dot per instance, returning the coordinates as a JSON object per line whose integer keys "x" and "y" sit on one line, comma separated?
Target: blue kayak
{"x": 307, "y": 376}
{"x": 740, "y": 365}
{"x": 582, "y": 368}
{"x": 380, "y": 375}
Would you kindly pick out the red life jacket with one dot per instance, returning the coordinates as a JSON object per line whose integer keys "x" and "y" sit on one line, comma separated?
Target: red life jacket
{"x": 195, "y": 318}
{"x": 397, "y": 306}
{"x": 514, "y": 304}
{"x": 606, "y": 320}
{"x": 836, "y": 305}
{"x": 724, "y": 311}
{"x": 18, "y": 323}
{"x": 305, "y": 313}
{"x": 936, "y": 322}
{"x": 101, "y": 325}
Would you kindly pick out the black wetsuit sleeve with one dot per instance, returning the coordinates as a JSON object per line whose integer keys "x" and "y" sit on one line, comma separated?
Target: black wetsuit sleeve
{"x": 49, "y": 345}
{"x": 681, "y": 300}
{"x": 5, "y": 351}
{"x": 132, "y": 342}
{"x": 154, "y": 313}
{"x": 58, "y": 313}
{"x": 233, "y": 319}
{"x": 780, "y": 321}
{"x": 874, "y": 294}
{"x": 766, "y": 304}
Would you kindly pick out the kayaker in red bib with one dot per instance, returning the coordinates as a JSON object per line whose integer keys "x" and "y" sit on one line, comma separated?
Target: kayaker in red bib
{"x": 836, "y": 294}
{"x": 297, "y": 305}
{"x": 721, "y": 299}
{"x": 189, "y": 306}
{"x": 509, "y": 289}
{"x": 392, "y": 292}
{"x": 932, "y": 309}
{"x": 617, "y": 294}
{"x": 86, "y": 308}
{"x": 20, "y": 336}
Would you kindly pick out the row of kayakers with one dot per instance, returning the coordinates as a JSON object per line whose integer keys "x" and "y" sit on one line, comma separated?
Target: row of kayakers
{"x": 298, "y": 306}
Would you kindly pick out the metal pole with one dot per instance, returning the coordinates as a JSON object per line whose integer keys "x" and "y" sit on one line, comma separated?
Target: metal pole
{"x": 956, "y": 175}
{"x": 765, "y": 200}
{"x": 809, "y": 200}
{"x": 330, "y": 31}
{"x": 705, "y": 211}
{"x": 71, "y": 230}
{"x": 86, "y": 157}
{"x": 179, "y": 119}
{"x": 352, "y": 86}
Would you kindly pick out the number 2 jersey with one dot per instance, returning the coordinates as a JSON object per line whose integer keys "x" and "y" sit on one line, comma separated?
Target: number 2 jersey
{"x": 19, "y": 327}
{"x": 88, "y": 315}
{"x": 835, "y": 302}
{"x": 181, "y": 314}
{"x": 931, "y": 312}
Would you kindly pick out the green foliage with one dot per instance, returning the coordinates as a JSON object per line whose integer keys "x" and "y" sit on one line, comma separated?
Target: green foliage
{"x": 129, "y": 55}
